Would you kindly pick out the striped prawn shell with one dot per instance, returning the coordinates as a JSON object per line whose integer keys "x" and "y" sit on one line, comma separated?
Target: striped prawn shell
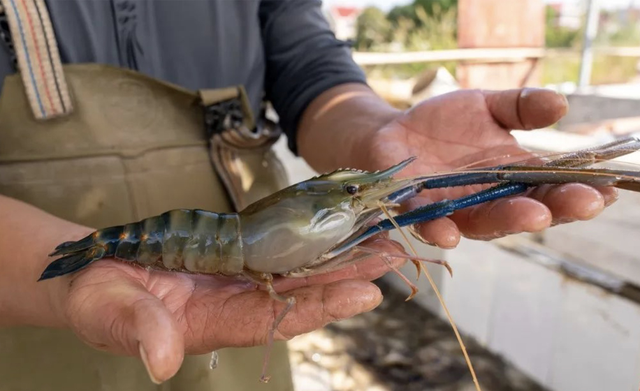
{"x": 189, "y": 240}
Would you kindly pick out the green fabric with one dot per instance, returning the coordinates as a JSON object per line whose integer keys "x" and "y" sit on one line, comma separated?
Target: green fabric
{"x": 134, "y": 147}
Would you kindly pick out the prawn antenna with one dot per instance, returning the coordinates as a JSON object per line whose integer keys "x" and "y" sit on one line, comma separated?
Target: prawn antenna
{"x": 437, "y": 292}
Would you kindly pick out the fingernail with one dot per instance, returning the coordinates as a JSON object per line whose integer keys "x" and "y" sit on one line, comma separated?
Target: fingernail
{"x": 526, "y": 91}
{"x": 565, "y": 101}
{"x": 367, "y": 298}
{"x": 371, "y": 297}
{"x": 145, "y": 360}
{"x": 397, "y": 245}
{"x": 610, "y": 198}
{"x": 563, "y": 96}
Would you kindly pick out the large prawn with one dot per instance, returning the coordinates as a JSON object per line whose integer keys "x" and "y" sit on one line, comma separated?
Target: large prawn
{"x": 318, "y": 225}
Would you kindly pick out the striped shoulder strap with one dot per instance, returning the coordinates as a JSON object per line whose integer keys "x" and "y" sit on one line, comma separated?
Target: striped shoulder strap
{"x": 38, "y": 58}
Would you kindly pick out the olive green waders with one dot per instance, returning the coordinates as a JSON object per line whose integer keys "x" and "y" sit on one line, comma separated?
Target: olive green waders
{"x": 119, "y": 147}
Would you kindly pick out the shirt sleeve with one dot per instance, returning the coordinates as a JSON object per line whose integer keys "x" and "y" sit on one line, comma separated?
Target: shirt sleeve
{"x": 303, "y": 57}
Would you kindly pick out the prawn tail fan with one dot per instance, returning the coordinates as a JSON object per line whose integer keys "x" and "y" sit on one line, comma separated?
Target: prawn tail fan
{"x": 73, "y": 262}
{"x": 73, "y": 247}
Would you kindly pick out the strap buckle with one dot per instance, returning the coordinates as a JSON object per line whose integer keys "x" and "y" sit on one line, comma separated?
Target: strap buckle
{"x": 228, "y": 116}
{"x": 223, "y": 116}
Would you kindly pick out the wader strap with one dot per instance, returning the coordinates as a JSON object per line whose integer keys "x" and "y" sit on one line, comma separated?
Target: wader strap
{"x": 38, "y": 58}
{"x": 240, "y": 148}
{"x": 5, "y": 35}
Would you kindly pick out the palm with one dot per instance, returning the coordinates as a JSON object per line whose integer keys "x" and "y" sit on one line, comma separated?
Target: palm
{"x": 446, "y": 143}
{"x": 189, "y": 299}
{"x": 117, "y": 307}
{"x": 464, "y": 127}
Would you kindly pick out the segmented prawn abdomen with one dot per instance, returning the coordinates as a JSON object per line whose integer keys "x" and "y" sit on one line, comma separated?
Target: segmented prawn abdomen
{"x": 177, "y": 231}
{"x": 215, "y": 244}
{"x": 151, "y": 237}
{"x": 109, "y": 238}
{"x": 229, "y": 244}
{"x": 127, "y": 248}
{"x": 200, "y": 255}
{"x": 183, "y": 239}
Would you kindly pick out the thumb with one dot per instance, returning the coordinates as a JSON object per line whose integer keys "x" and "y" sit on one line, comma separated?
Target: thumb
{"x": 526, "y": 108}
{"x": 160, "y": 342}
{"x": 124, "y": 318}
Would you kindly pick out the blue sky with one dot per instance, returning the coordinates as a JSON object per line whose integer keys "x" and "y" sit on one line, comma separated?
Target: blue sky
{"x": 388, "y": 4}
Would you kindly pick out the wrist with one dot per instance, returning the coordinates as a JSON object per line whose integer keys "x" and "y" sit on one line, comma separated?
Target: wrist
{"x": 338, "y": 125}
{"x": 360, "y": 142}
{"x": 54, "y": 292}
{"x": 25, "y": 301}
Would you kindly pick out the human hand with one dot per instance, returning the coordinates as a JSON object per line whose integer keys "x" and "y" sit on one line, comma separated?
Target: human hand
{"x": 160, "y": 316}
{"x": 459, "y": 128}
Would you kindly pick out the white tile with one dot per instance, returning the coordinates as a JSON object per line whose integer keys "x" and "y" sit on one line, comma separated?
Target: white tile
{"x": 605, "y": 242}
{"x": 470, "y": 292}
{"x": 527, "y": 299}
{"x": 598, "y": 342}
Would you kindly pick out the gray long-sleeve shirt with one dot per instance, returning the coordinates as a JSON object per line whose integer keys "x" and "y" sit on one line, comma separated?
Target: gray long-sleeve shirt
{"x": 281, "y": 48}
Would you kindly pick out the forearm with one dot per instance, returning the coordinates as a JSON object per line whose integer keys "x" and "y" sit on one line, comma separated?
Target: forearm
{"x": 27, "y": 235}
{"x": 334, "y": 125}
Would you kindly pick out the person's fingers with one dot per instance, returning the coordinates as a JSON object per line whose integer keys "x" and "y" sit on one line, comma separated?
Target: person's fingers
{"x": 609, "y": 193}
{"x": 321, "y": 304}
{"x": 526, "y": 108}
{"x": 246, "y": 318}
{"x": 370, "y": 268}
{"x": 503, "y": 217}
{"x": 570, "y": 202}
{"x": 443, "y": 233}
{"x": 122, "y": 317}
{"x": 160, "y": 340}
{"x": 540, "y": 208}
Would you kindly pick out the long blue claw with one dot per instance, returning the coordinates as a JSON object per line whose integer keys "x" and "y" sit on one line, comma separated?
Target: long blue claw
{"x": 441, "y": 209}
{"x": 449, "y": 180}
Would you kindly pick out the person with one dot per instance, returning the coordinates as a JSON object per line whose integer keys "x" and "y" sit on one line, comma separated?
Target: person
{"x": 111, "y": 325}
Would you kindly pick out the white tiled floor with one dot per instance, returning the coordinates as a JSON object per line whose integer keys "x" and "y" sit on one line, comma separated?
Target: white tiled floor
{"x": 524, "y": 313}
{"x": 474, "y": 268}
{"x": 597, "y": 342}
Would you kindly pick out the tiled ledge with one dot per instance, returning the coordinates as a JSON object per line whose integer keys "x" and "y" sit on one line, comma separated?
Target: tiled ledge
{"x": 565, "y": 333}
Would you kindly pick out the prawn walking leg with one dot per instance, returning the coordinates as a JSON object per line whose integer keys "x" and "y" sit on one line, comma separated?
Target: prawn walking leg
{"x": 266, "y": 279}
{"x": 415, "y": 259}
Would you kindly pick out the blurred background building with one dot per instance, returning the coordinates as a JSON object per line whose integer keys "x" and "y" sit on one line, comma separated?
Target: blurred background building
{"x": 343, "y": 21}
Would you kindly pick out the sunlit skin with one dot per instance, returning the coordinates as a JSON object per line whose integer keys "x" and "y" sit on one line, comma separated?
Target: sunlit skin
{"x": 117, "y": 307}
{"x": 120, "y": 308}
{"x": 454, "y": 130}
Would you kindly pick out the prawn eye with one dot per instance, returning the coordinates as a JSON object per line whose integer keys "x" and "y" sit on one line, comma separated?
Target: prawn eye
{"x": 352, "y": 189}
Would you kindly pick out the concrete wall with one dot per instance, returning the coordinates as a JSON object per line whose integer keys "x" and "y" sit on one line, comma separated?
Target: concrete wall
{"x": 594, "y": 108}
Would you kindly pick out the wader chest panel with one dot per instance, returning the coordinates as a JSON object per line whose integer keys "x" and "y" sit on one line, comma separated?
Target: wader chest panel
{"x": 131, "y": 147}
